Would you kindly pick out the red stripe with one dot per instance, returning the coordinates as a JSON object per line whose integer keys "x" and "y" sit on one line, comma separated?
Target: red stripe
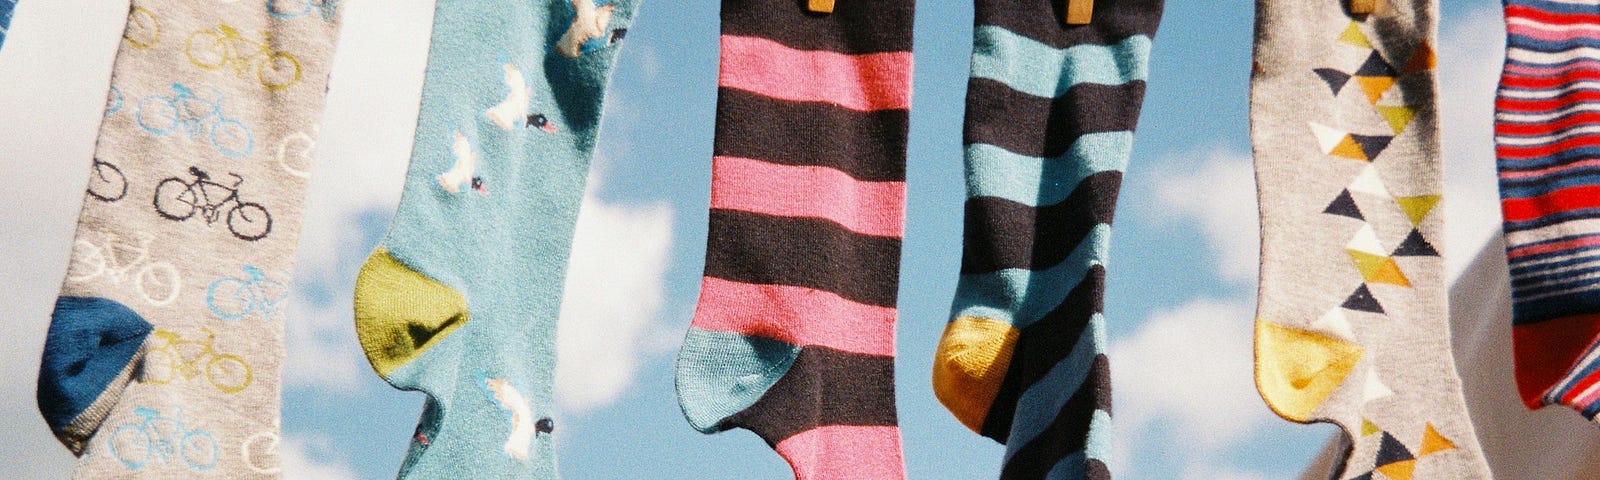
{"x": 1537, "y": 71}
{"x": 1551, "y": 35}
{"x": 795, "y": 315}
{"x": 844, "y": 452}
{"x": 868, "y": 208}
{"x": 1512, "y": 152}
{"x": 1552, "y": 247}
{"x": 1561, "y": 79}
{"x": 1514, "y": 174}
{"x": 1544, "y": 16}
{"x": 866, "y": 82}
{"x": 1570, "y": 198}
{"x": 1547, "y": 350}
{"x": 1544, "y": 127}
{"x": 1531, "y": 105}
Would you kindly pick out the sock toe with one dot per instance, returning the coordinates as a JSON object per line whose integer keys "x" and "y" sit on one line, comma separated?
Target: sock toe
{"x": 89, "y": 354}
{"x": 973, "y": 357}
{"x": 401, "y": 313}
{"x": 723, "y": 373}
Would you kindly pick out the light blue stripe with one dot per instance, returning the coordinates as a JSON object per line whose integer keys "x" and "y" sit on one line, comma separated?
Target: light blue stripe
{"x": 1020, "y": 296}
{"x": 1074, "y": 466}
{"x": 1045, "y": 71}
{"x": 996, "y": 172}
{"x": 1039, "y": 405}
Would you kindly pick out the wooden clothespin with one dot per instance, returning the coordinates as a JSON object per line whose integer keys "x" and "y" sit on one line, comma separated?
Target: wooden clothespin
{"x": 1362, "y": 7}
{"x": 1079, "y": 12}
{"x": 820, "y": 6}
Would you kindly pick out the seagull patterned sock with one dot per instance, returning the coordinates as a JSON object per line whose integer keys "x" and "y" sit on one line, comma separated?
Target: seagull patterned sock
{"x": 1352, "y": 325}
{"x": 1050, "y": 116}
{"x": 1546, "y": 137}
{"x": 164, "y": 352}
{"x": 793, "y": 337}
{"x": 460, "y": 300}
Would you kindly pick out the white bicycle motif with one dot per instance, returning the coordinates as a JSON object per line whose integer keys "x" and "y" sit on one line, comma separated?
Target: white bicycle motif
{"x": 266, "y": 444}
{"x": 113, "y": 259}
{"x": 294, "y": 152}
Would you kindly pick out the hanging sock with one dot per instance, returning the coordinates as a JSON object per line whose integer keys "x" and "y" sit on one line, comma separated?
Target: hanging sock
{"x": 164, "y": 351}
{"x": 1050, "y": 116}
{"x": 460, "y": 299}
{"x": 793, "y": 337}
{"x": 6, "y": 8}
{"x": 1544, "y": 138}
{"x": 1352, "y": 326}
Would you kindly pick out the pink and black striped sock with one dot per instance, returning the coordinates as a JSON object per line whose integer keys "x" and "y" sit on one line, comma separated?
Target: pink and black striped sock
{"x": 793, "y": 337}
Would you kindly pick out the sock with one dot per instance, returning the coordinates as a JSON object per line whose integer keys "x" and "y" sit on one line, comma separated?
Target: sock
{"x": 1547, "y": 189}
{"x": 1352, "y": 325}
{"x": 6, "y": 6}
{"x": 1051, "y": 110}
{"x": 460, "y": 299}
{"x": 164, "y": 351}
{"x": 793, "y": 337}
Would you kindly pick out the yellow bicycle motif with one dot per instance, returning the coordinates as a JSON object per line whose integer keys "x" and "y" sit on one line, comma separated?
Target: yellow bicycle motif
{"x": 224, "y": 46}
{"x": 143, "y": 30}
{"x": 172, "y": 357}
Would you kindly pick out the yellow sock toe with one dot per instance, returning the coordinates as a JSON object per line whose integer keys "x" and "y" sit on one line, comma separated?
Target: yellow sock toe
{"x": 972, "y": 359}
{"x": 400, "y": 313}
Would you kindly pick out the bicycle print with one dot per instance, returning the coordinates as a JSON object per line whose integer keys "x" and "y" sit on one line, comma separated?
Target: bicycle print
{"x": 224, "y": 47}
{"x": 162, "y": 439}
{"x": 233, "y": 298}
{"x": 106, "y": 182}
{"x": 114, "y": 102}
{"x": 263, "y": 444}
{"x": 295, "y": 153}
{"x": 171, "y": 358}
{"x": 157, "y": 282}
{"x": 188, "y": 110}
{"x": 288, "y": 9}
{"x": 143, "y": 30}
{"x": 178, "y": 199}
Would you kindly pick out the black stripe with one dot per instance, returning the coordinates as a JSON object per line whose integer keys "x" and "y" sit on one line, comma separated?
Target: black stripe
{"x": 1045, "y": 20}
{"x": 1002, "y": 234}
{"x": 854, "y": 27}
{"x": 869, "y": 146}
{"x": 1067, "y": 434}
{"x": 1041, "y": 346}
{"x": 1043, "y": 127}
{"x": 806, "y": 252}
{"x": 823, "y": 387}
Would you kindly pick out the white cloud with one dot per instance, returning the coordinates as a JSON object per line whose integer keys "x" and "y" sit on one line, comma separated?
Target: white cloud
{"x": 613, "y": 295}
{"x": 1469, "y": 69}
{"x": 1227, "y": 215}
{"x": 298, "y": 465}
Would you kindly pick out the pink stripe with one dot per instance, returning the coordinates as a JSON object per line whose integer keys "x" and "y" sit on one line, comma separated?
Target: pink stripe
{"x": 839, "y": 452}
{"x": 1554, "y": 247}
{"x": 868, "y": 208}
{"x": 797, "y": 315}
{"x": 866, "y": 82}
{"x": 1547, "y": 171}
{"x": 1532, "y": 31}
{"x": 1549, "y": 71}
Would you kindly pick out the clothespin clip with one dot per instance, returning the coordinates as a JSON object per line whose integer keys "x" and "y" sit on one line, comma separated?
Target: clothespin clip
{"x": 1362, "y": 7}
{"x": 820, "y": 6}
{"x": 1079, "y": 12}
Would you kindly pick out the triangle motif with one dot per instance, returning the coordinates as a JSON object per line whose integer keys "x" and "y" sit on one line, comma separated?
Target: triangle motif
{"x": 1366, "y": 241}
{"x": 1399, "y": 470}
{"x": 1371, "y": 146}
{"x": 1352, "y": 36}
{"x": 1398, "y": 117}
{"x": 1378, "y": 268}
{"x": 1375, "y": 389}
{"x": 1368, "y": 428}
{"x": 1415, "y": 246}
{"x": 1336, "y": 79}
{"x": 1433, "y": 442}
{"x": 1417, "y": 208}
{"x": 1391, "y": 451}
{"x": 1363, "y": 301}
{"x": 1376, "y": 66}
{"x": 1328, "y": 138}
{"x": 1348, "y": 148}
{"x": 1374, "y": 87}
{"x": 1364, "y": 476}
{"x": 1345, "y": 206}
{"x": 1422, "y": 60}
{"x": 1335, "y": 323}
{"x": 1367, "y": 182}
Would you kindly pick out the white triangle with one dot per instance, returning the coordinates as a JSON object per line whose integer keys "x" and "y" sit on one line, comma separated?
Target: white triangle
{"x": 1335, "y": 323}
{"x": 1366, "y": 241}
{"x": 1327, "y": 137}
{"x": 1375, "y": 387}
{"x": 1369, "y": 183}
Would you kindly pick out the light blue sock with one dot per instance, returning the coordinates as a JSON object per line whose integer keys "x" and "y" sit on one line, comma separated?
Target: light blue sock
{"x": 460, "y": 301}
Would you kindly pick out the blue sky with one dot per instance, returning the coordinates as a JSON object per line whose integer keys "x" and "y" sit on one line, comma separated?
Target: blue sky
{"x": 1181, "y": 276}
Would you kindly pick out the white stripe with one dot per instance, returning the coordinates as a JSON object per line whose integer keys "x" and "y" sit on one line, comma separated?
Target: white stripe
{"x": 1552, "y": 27}
{"x": 1586, "y": 85}
{"x": 1554, "y": 259}
{"x": 1572, "y": 375}
{"x": 1530, "y": 56}
{"x": 1563, "y": 229}
{"x": 1537, "y": 117}
{"x": 1582, "y": 288}
{"x": 1575, "y": 266}
{"x": 1587, "y": 130}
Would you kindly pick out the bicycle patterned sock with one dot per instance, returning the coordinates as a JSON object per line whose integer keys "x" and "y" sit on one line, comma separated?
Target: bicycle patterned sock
{"x": 1545, "y": 131}
{"x": 1352, "y": 326}
{"x": 793, "y": 337}
{"x": 164, "y": 351}
{"x": 460, "y": 299}
{"x": 1050, "y": 116}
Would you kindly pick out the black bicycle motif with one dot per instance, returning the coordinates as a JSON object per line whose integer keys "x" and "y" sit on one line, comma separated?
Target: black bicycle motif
{"x": 106, "y": 182}
{"x": 177, "y": 199}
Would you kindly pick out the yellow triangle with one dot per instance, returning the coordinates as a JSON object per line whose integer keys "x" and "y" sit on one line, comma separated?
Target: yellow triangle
{"x": 1433, "y": 442}
{"x": 1378, "y": 268}
{"x": 1352, "y": 35}
{"x": 1401, "y": 470}
{"x": 1417, "y": 208}
{"x": 1296, "y": 370}
{"x": 1398, "y": 117}
{"x": 1348, "y": 148}
{"x": 1368, "y": 428}
{"x": 1375, "y": 86}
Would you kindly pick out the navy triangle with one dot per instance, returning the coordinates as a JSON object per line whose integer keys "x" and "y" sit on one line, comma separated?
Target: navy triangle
{"x": 1415, "y": 246}
{"x": 1392, "y": 451}
{"x": 1371, "y": 146}
{"x": 1336, "y": 79}
{"x": 1376, "y": 66}
{"x": 1344, "y": 205}
{"x": 1363, "y": 301}
{"x": 1364, "y": 476}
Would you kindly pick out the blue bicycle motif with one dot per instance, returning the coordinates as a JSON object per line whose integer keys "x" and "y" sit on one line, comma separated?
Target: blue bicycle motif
{"x": 299, "y": 8}
{"x": 163, "y": 439}
{"x": 192, "y": 113}
{"x": 114, "y": 104}
{"x": 233, "y": 298}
